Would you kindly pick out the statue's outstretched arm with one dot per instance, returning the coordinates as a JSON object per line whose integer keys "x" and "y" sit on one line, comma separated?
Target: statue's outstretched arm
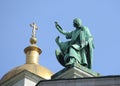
{"x": 60, "y": 29}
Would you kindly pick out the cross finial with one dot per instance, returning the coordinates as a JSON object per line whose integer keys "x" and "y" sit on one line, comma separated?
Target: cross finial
{"x": 34, "y": 26}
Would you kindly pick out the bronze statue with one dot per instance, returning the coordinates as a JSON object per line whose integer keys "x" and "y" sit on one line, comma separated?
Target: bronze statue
{"x": 79, "y": 49}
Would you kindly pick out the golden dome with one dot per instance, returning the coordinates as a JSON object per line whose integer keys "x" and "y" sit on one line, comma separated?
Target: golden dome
{"x": 32, "y": 57}
{"x": 34, "y": 68}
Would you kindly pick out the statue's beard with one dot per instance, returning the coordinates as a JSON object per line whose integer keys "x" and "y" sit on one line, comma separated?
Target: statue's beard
{"x": 77, "y": 26}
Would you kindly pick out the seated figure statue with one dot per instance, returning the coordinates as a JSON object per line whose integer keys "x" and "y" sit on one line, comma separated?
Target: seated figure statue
{"x": 79, "y": 49}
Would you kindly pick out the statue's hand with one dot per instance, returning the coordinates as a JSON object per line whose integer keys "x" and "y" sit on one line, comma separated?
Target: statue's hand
{"x": 59, "y": 28}
{"x": 56, "y": 24}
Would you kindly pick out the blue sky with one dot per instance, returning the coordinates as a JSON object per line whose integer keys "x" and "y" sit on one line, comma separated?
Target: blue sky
{"x": 101, "y": 16}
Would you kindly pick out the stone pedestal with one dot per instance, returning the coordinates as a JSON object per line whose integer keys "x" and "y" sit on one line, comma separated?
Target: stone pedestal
{"x": 75, "y": 72}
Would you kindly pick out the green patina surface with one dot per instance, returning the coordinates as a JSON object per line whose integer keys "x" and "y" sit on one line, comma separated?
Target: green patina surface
{"x": 78, "y": 50}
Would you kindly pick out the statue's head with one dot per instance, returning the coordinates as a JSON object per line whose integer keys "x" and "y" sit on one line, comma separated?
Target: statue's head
{"x": 77, "y": 22}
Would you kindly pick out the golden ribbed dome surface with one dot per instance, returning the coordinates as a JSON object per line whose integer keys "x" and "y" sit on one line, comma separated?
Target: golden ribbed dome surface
{"x": 34, "y": 68}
